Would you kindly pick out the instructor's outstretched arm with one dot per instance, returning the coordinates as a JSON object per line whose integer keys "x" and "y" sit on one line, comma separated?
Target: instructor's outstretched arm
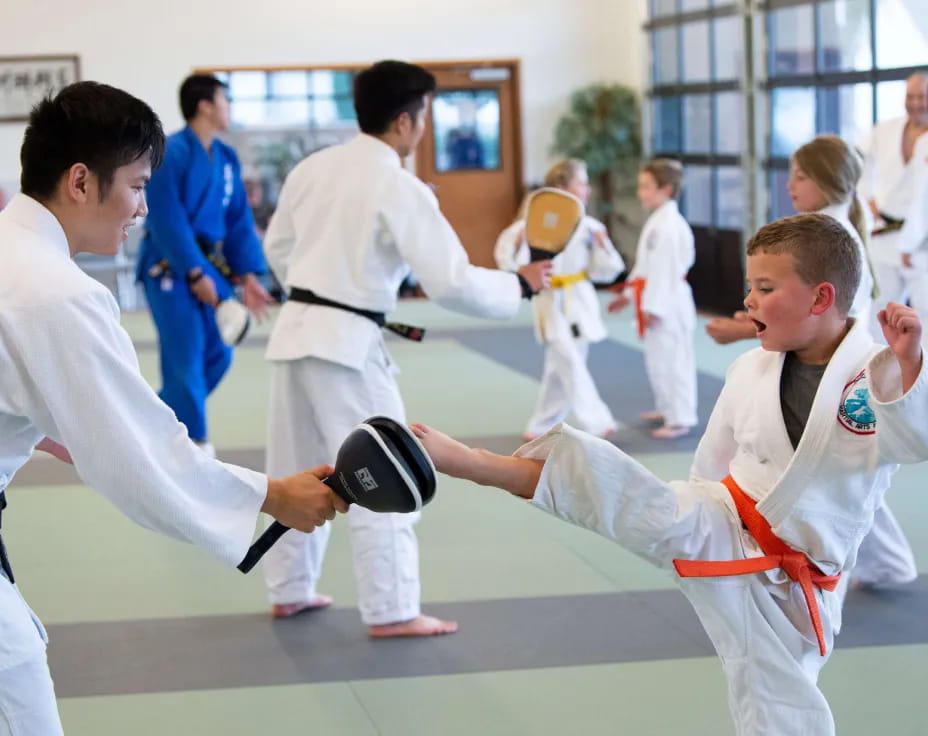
{"x": 518, "y": 475}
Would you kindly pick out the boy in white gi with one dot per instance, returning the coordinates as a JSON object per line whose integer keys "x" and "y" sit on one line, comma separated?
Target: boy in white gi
{"x": 69, "y": 373}
{"x": 567, "y": 315}
{"x": 798, "y": 452}
{"x": 664, "y": 305}
{"x": 823, "y": 176}
{"x": 350, "y": 223}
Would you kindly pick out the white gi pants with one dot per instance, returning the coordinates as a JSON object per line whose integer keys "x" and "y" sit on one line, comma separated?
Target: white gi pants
{"x": 314, "y": 405}
{"x": 758, "y": 623}
{"x": 671, "y": 368}
{"x": 27, "y": 695}
{"x": 567, "y": 385}
{"x": 27, "y": 701}
{"x": 884, "y": 556}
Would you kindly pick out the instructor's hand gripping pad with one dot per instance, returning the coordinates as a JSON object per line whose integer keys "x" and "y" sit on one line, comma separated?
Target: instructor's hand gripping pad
{"x": 381, "y": 466}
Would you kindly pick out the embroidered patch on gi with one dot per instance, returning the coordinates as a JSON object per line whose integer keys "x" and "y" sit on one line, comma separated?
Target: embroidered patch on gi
{"x": 855, "y": 413}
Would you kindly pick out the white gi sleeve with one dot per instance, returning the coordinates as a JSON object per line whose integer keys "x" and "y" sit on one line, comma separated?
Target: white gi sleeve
{"x": 511, "y": 250}
{"x": 914, "y": 233}
{"x": 428, "y": 243}
{"x": 80, "y": 385}
{"x": 280, "y": 237}
{"x": 901, "y": 420}
{"x": 606, "y": 262}
{"x": 660, "y": 289}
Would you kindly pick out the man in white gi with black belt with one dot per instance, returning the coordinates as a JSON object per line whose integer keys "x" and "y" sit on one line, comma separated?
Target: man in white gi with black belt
{"x": 350, "y": 223}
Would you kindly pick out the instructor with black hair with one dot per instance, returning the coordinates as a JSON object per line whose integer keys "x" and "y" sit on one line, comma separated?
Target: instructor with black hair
{"x": 350, "y": 224}
{"x": 69, "y": 376}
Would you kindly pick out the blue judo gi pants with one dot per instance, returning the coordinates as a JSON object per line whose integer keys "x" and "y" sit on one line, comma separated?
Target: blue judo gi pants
{"x": 193, "y": 356}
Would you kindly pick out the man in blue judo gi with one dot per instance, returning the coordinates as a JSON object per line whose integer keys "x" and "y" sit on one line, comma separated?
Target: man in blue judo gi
{"x": 200, "y": 241}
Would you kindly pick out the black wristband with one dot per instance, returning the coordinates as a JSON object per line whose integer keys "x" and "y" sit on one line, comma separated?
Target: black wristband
{"x": 527, "y": 292}
{"x": 191, "y": 280}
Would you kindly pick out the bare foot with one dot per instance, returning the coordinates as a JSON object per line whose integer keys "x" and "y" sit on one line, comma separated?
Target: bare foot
{"x": 450, "y": 456}
{"x": 669, "y": 432}
{"x": 651, "y": 416}
{"x": 285, "y": 610}
{"x": 607, "y": 433}
{"x": 420, "y": 626}
{"x": 529, "y": 436}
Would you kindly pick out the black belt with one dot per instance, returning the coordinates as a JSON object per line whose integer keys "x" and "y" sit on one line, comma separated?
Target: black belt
{"x": 211, "y": 251}
{"x": 4, "y": 560}
{"x": 305, "y": 296}
{"x": 892, "y": 224}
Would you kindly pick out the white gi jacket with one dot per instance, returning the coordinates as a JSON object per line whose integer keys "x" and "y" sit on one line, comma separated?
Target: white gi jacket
{"x": 860, "y": 306}
{"x": 913, "y": 238}
{"x": 557, "y": 309}
{"x": 666, "y": 252}
{"x": 819, "y": 499}
{"x": 888, "y": 179}
{"x": 355, "y": 245}
{"x": 69, "y": 371}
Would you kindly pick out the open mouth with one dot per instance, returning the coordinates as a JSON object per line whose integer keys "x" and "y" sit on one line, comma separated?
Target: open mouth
{"x": 759, "y": 326}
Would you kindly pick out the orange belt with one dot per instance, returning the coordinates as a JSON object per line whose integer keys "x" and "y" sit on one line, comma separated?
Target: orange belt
{"x": 637, "y": 286}
{"x": 778, "y": 554}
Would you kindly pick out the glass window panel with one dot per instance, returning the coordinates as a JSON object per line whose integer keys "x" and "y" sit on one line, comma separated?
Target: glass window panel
{"x": 697, "y": 114}
{"x": 846, "y": 110}
{"x": 342, "y": 81}
{"x": 345, "y": 107}
{"x": 696, "y": 51}
{"x": 663, "y": 7}
{"x": 665, "y": 56}
{"x": 729, "y": 48}
{"x": 466, "y": 127}
{"x": 890, "y": 99}
{"x": 325, "y": 111}
{"x": 222, "y": 77}
{"x": 730, "y": 197}
{"x": 780, "y": 203}
{"x": 792, "y": 40}
{"x": 247, "y": 85}
{"x": 249, "y": 113}
{"x": 322, "y": 82}
{"x": 728, "y": 122}
{"x": 289, "y": 84}
{"x": 697, "y": 195}
{"x": 688, "y": 5}
{"x": 845, "y": 35}
{"x": 666, "y": 123}
{"x": 793, "y": 119}
{"x": 901, "y": 33}
{"x": 288, "y": 113}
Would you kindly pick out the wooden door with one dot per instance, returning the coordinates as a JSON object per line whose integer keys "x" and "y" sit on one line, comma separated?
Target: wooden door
{"x": 471, "y": 153}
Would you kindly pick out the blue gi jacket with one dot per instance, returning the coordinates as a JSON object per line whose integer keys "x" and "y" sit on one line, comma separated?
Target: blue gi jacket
{"x": 191, "y": 195}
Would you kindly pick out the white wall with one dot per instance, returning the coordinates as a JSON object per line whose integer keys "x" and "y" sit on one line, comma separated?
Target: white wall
{"x": 148, "y": 47}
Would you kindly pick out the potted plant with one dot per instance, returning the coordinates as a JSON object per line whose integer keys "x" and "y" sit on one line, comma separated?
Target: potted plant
{"x": 603, "y": 127}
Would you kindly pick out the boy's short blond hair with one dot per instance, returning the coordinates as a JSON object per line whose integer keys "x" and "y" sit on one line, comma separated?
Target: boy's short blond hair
{"x": 822, "y": 250}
